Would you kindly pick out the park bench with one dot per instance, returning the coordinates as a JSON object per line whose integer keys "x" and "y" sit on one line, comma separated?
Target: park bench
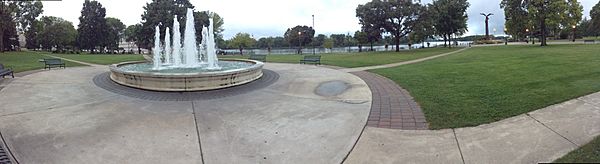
{"x": 6, "y": 71}
{"x": 53, "y": 63}
{"x": 316, "y": 59}
{"x": 262, "y": 58}
{"x": 589, "y": 41}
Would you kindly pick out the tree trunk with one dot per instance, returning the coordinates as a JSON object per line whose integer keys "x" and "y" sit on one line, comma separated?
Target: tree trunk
{"x": 397, "y": 40}
{"x": 445, "y": 40}
{"x": 543, "y": 26}
{"x": 371, "y": 46}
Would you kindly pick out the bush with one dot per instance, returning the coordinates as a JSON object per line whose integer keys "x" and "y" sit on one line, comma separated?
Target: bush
{"x": 488, "y": 42}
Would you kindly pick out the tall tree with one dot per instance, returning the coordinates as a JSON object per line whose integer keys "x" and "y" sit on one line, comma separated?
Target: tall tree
{"x": 319, "y": 40}
{"x": 92, "y": 26}
{"x": 573, "y": 15}
{"x": 339, "y": 40}
{"x": 450, "y": 17}
{"x": 423, "y": 28}
{"x": 32, "y": 34}
{"x": 299, "y": 35}
{"x": 544, "y": 14}
{"x": 395, "y": 17}
{"x": 595, "y": 22}
{"x": 9, "y": 14}
{"x": 115, "y": 31}
{"x": 27, "y": 12}
{"x": 241, "y": 41}
{"x": 162, "y": 12}
{"x": 133, "y": 33}
{"x": 57, "y": 33}
{"x": 515, "y": 13}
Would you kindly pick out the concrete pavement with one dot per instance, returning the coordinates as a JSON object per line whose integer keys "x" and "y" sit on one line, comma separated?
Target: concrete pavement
{"x": 60, "y": 116}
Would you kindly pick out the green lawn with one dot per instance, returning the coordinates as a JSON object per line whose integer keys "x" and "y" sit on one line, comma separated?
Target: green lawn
{"x": 102, "y": 59}
{"x": 487, "y": 84}
{"x": 25, "y": 61}
{"x": 351, "y": 60}
{"x": 589, "y": 153}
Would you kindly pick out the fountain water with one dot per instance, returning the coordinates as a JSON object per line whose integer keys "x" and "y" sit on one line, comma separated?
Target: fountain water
{"x": 157, "y": 50}
{"x": 193, "y": 55}
{"x": 168, "y": 55}
{"x": 176, "y": 53}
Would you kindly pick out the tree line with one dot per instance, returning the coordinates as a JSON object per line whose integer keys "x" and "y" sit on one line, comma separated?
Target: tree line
{"x": 95, "y": 32}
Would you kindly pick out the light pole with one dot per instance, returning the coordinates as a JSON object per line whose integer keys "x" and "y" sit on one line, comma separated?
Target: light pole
{"x": 313, "y": 26}
{"x": 574, "y": 28}
{"x": 527, "y": 31}
{"x": 299, "y": 42}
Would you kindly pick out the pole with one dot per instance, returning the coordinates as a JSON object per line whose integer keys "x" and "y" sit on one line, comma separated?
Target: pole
{"x": 313, "y": 25}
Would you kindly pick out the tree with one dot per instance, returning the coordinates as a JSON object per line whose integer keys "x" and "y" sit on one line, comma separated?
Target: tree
{"x": 515, "y": 13}
{"x": 115, "y": 31}
{"x": 92, "y": 26}
{"x": 339, "y": 40}
{"x": 133, "y": 33}
{"x": 162, "y": 12}
{"x": 57, "y": 33}
{"x": 595, "y": 22}
{"x": 423, "y": 29}
{"x": 27, "y": 12}
{"x": 367, "y": 35}
{"x": 13, "y": 14}
{"x": 32, "y": 34}
{"x": 450, "y": 17}
{"x": 241, "y": 41}
{"x": 299, "y": 35}
{"x": 543, "y": 14}
{"x": 394, "y": 17}
{"x": 328, "y": 43}
{"x": 573, "y": 14}
{"x": 265, "y": 42}
{"x": 319, "y": 40}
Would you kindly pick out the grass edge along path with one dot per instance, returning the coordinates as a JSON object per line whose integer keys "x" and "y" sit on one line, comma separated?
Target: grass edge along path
{"x": 588, "y": 153}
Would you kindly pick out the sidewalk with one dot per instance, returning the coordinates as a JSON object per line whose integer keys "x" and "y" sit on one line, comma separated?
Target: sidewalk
{"x": 540, "y": 136}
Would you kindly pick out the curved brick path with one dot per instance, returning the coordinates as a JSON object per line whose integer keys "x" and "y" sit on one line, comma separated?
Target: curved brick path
{"x": 392, "y": 106}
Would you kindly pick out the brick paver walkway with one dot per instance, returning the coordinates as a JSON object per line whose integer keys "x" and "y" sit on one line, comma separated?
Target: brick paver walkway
{"x": 392, "y": 106}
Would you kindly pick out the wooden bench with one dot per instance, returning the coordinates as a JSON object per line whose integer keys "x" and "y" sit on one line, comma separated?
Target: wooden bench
{"x": 316, "y": 59}
{"x": 262, "y": 58}
{"x": 589, "y": 41}
{"x": 6, "y": 71}
{"x": 53, "y": 63}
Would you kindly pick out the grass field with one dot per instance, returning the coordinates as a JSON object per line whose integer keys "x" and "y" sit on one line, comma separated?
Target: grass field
{"x": 351, "y": 60}
{"x": 101, "y": 59}
{"x": 25, "y": 61}
{"x": 588, "y": 153}
{"x": 487, "y": 84}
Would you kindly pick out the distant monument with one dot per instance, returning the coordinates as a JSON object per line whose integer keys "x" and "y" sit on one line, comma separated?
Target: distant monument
{"x": 487, "y": 30}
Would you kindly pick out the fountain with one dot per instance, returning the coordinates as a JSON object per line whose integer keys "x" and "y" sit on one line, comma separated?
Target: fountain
{"x": 187, "y": 67}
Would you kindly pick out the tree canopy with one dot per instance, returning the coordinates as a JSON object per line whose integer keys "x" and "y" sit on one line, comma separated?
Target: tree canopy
{"x": 115, "y": 31}
{"x": 299, "y": 35}
{"x": 395, "y": 17}
{"x": 57, "y": 33}
{"x": 450, "y": 17}
{"x": 241, "y": 41}
{"x": 92, "y": 25}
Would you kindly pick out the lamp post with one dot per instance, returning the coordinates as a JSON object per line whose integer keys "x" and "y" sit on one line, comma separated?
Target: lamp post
{"x": 574, "y": 28}
{"x": 529, "y": 34}
{"x": 506, "y": 37}
{"x": 299, "y": 42}
{"x": 313, "y": 26}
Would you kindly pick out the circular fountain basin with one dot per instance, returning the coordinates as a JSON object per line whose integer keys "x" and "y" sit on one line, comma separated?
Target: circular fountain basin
{"x": 140, "y": 74}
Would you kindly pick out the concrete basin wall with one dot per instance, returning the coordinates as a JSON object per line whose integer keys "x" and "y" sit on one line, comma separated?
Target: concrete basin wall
{"x": 186, "y": 81}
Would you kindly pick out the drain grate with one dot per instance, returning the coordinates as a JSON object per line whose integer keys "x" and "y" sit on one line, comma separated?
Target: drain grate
{"x": 4, "y": 159}
{"x": 103, "y": 81}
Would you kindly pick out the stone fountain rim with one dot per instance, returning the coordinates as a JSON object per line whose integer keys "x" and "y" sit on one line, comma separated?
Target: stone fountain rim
{"x": 257, "y": 65}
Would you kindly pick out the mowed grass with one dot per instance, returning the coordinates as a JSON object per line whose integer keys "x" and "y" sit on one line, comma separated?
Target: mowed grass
{"x": 102, "y": 59}
{"x": 25, "y": 61}
{"x": 488, "y": 84}
{"x": 351, "y": 60}
{"x": 588, "y": 153}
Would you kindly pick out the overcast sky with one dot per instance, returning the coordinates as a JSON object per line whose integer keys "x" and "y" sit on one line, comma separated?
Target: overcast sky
{"x": 263, "y": 18}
